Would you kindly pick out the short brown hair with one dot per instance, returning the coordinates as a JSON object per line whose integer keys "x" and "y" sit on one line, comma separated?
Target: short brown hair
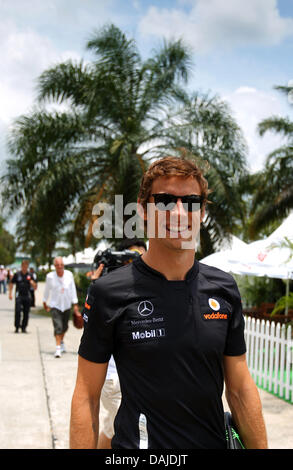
{"x": 171, "y": 166}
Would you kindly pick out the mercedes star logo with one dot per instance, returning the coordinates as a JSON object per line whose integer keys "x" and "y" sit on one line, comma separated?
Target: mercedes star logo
{"x": 145, "y": 308}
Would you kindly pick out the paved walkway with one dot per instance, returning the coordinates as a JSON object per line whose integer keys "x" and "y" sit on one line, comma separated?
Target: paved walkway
{"x": 36, "y": 389}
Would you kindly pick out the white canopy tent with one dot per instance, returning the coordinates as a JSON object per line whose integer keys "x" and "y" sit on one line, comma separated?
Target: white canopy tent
{"x": 86, "y": 256}
{"x": 220, "y": 259}
{"x": 271, "y": 257}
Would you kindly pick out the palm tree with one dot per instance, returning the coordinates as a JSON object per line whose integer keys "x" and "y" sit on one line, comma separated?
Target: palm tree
{"x": 274, "y": 197}
{"x": 119, "y": 112}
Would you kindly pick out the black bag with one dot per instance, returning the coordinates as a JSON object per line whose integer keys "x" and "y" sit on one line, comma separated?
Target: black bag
{"x": 232, "y": 436}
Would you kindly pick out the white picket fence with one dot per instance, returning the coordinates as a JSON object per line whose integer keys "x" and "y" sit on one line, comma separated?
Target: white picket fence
{"x": 270, "y": 356}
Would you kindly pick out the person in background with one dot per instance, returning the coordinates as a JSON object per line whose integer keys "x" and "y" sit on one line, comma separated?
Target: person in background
{"x": 133, "y": 244}
{"x": 59, "y": 296}
{"x": 3, "y": 279}
{"x": 9, "y": 276}
{"x": 23, "y": 282}
{"x": 32, "y": 291}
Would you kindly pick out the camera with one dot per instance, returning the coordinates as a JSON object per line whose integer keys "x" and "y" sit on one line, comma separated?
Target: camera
{"x": 113, "y": 259}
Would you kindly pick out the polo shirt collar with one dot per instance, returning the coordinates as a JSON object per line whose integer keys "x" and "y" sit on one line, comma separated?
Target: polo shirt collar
{"x": 148, "y": 270}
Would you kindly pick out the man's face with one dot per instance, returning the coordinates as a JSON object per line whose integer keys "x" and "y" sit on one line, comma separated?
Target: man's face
{"x": 59, "y": 267}
{"x": 24, "y": 267}
{"x": 177, "y": 228}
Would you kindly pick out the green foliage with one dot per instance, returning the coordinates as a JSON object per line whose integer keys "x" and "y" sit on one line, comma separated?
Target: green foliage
{"x": 273, "y": 195}
{"x": 42, "y": 275}
{"x": 284, "y": 302}
{"x": 82, "y": 283}
{"x": 256, "y": 290}
{"x": 7, "y": 245}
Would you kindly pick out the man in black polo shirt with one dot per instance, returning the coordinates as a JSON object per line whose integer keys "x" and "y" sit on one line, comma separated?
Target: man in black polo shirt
{"x": 23, "y": 282}
{"x": 176, "y": 331}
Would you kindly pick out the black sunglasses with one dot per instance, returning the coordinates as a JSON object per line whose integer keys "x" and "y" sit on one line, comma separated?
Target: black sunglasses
{"x": 167, "y": 202}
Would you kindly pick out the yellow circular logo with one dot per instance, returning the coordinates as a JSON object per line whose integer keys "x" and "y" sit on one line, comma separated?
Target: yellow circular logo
{"x": 214, "y": 304}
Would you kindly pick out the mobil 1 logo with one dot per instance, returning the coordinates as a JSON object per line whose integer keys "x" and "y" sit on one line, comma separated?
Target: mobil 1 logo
{"x": 148, "y": 334}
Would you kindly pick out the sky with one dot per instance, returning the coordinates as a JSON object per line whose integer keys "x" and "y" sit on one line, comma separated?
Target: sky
{"x": 241, "y": 50}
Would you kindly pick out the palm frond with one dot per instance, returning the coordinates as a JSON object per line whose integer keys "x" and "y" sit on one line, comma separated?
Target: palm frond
{"x": 65, "y": 81}
{"x": 276, "y": 124}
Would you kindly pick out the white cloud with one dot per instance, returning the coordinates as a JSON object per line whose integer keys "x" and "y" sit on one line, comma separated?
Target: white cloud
{"x": 250, "y": 106}
{"x": 215, "y": 24}
{"x": 35, "y": 35}
{"x": 24, "y": 56}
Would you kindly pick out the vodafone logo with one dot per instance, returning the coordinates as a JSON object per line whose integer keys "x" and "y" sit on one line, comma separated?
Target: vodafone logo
{"x": 214, "y": 304}
{"x": 216, "y": 315}
{"x": 145, "y": 308}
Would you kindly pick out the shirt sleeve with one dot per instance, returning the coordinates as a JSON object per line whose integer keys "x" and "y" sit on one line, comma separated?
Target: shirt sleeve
{"x": 47, "y": 289}
{"x": 74, "y": 298}
{"x": 96, "y": 343}
{"x": 235, "y": 342}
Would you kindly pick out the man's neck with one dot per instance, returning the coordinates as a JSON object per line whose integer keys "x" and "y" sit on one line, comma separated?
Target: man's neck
{"x": 60, "y": 274}
{"x": 173, "y": 264}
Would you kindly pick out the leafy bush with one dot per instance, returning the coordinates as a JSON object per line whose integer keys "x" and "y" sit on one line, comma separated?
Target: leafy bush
{"x": 256, "y": 290}
{"x": 82, "y": 283}
{"x": 283, "y": 302}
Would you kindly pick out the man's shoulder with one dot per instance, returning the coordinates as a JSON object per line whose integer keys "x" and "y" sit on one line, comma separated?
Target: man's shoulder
{"x": 119, "y": 279}
{"x": 110, "y": 293}
{"x": 216, "y": 275}
{"x": 68, "y": 273}
{"x": 218, "y": 282}
{"x": 123, "y": 274}
{"x": 50, "y": 275}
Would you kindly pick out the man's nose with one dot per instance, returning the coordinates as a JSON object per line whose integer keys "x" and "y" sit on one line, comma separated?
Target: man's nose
{"x": 179, "y": 211}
